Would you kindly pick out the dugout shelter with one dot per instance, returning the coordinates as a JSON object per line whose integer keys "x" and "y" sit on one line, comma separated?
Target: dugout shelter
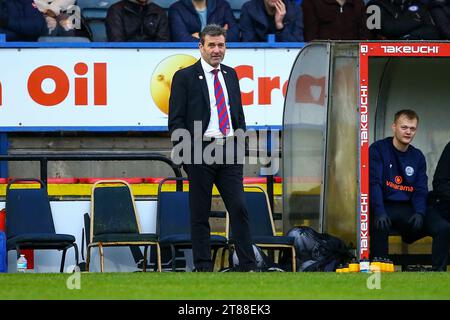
{"x": 341, "y": 97}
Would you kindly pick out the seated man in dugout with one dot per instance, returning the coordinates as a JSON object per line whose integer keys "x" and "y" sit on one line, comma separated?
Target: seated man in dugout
{"x": 398, "y": 185}
{"x": 437, "y": 220}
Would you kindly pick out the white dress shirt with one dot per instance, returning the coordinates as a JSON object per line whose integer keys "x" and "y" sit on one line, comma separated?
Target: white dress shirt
{"x": 213, "y": 130}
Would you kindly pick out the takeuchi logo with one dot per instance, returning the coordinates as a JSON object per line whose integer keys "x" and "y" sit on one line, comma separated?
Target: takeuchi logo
{"x": 410, "y": 49}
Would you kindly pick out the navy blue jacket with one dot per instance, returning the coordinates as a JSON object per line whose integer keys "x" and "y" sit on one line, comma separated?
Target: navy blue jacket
{"x": 254, "y": 23}
{"x": 397, "y": 176}
{"x": 22, "y": 21}
{"x": 405, "y": 20}
{"x": 441, "y": 179}
{"x": 184, "y": 20}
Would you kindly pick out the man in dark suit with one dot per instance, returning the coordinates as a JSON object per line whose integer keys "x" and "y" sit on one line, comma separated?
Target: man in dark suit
{"x": 205, "y": 103}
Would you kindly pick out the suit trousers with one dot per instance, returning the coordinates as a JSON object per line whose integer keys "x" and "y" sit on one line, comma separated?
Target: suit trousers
{"x": 228, "y": 178}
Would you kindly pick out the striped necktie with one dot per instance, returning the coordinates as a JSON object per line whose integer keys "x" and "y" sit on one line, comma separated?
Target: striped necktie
{"x": 224, "y": 123}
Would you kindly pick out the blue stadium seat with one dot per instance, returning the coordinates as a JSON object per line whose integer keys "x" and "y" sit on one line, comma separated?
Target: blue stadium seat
{"x": 29, "y": 222}
{"x": 165, "y": 4}
{"x": 236, "y": 6}
{"x": 100, "y": 4}
{"x": 63, "y": 39}
{"x": 94, "y": 14}
{"x": 173, "y": 223}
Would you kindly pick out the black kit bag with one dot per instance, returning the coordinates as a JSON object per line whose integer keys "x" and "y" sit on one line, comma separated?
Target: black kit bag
{"x": 318, "y": 252}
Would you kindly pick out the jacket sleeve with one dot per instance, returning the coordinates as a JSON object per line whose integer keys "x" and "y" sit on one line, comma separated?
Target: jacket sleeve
{"x": 163, "y": 34}
{"x": 441, "y": 179}
{"x": 293, "y": 28}
{"x": 248, "y": 32}
{"x": 441, "y": 20}
{"x": 178, "y": 27}
{"x": 233, "y": 27}
{"x": 32, "y": 23}
{"x": 419, "y": 198}
{"x": 376, "y": 182}
{"x": 398, "y": 25}
{"x": 177, "y": 103}
{"x": 311, "y": 21}
{"x": 114, "y": 26}
{"x": 364, "y": 32}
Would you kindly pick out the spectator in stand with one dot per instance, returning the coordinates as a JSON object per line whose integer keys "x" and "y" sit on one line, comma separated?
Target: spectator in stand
{"x": 440, "y": 11}
{"x": 58, "y": 20}
{"x": 405, "y": 20}
{"x": 335, "y": 20}
{"x": 282, "y": 18}
{"x": 20, "y": 20}
{"x": 137, "y": 20}
{"x": 188, "y": 17}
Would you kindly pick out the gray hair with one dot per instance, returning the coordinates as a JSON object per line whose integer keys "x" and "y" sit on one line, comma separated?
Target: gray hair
{"x": 213, "y": 30}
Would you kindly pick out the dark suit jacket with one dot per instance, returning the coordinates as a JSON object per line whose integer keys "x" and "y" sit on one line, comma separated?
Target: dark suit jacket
{"x": 189, "y": 99}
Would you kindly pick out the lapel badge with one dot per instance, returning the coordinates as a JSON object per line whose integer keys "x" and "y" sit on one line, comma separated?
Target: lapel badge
{"x": 224, "y": 71}
{"x": 200, "y": 77}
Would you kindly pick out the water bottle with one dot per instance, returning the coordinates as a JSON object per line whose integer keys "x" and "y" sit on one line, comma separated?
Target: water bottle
{"x": 364, "y": 265}
{"x": 22, "y": 264}
{"x": 3, "y": 253}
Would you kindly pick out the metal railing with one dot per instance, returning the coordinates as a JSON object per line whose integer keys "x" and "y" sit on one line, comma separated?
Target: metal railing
{"x": 44, "y": 159}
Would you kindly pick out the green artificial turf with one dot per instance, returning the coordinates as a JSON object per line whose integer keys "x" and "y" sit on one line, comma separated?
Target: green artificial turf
{"x": 226, "y": 286}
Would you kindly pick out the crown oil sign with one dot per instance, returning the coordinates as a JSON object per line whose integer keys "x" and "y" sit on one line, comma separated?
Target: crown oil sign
{"x": 124, "y": 88}
{"x": 62, "y": 85}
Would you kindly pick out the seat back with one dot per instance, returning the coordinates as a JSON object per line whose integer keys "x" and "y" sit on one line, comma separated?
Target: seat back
{"x": 97, "y": 29}
{"x": 173, "y": 213}
{"x": 113, "y": 209}
{"x": 165, "y": 4}
{"x": 259, "y": 212}
{"x": 94, "y": 14}
{"x": 27, "y": 208}
{"x": 236, "y": 7}
{"x": 63, "y": 39}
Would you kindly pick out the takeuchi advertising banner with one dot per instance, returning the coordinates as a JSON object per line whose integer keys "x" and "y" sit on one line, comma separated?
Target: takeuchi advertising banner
{"x": 125, "y": 88}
